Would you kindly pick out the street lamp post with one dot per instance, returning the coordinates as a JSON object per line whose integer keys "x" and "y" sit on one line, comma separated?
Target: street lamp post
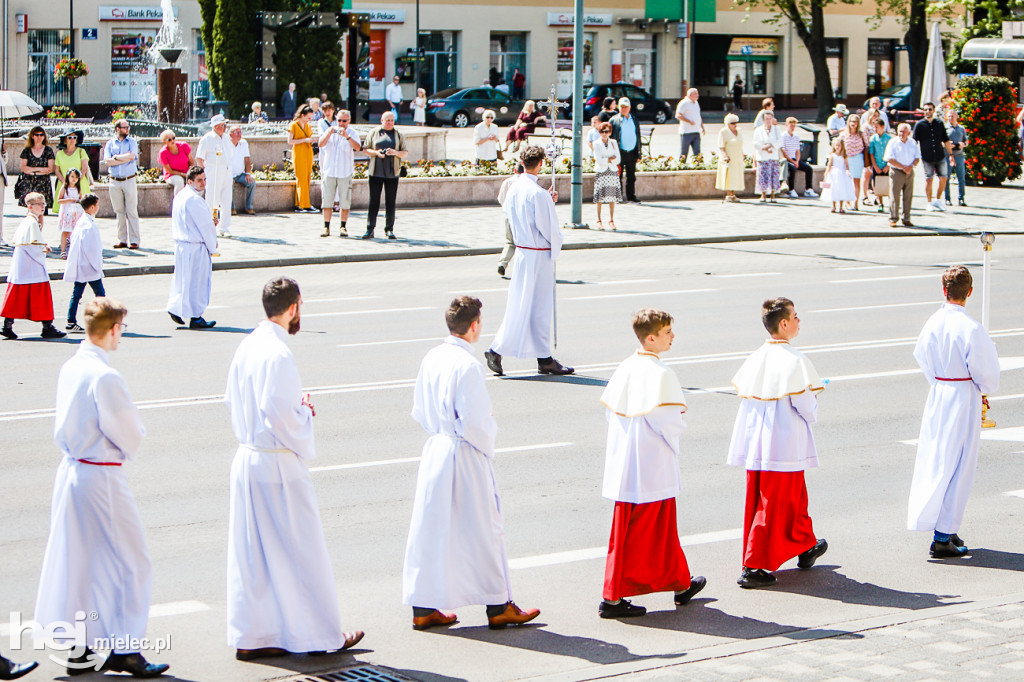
{"x": 576, "y": 192}
{"x": 71, "y": 47}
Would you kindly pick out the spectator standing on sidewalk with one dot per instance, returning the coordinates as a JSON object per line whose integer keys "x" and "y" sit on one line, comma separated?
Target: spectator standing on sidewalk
{"x": 856, "y": 142}
{"x": 241, "y": 167}
{"x": 691, "y": 127}
{"x": 737, "y": 93}
{"x": 957, "y": 135}
{"x": 791, "y": 152}
{"x": 730, "y": 176}
{"x": 120, "y": 154}
{"x": 837, "y": 121}
{"x": 875, "y": 104}
{"x": 300, "y": 137}
{"x": 518, "y": 85}
{"x": 607, "y": 110}
{"x": 626, "y": 133}
{"x": 485, "y": 138}
{"x": 879, "y": 166}
{"x": 385, "y": 145}
{"x": 393, "y": 94}
{"x": 930, "y": 134}
{"x": 338, "y": 145}
{"x": 607, "y": 187}
{"x": 767, "y": 147}
{"x": 289, "y": 102}
{"x": 419, "y": 107}
{"x": 902, "y": 154}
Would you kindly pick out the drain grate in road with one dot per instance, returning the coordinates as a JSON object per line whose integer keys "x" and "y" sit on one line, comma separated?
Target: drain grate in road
{"x": 362, "y": 673}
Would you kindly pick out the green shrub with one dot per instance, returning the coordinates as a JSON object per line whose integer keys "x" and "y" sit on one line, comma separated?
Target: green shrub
{"x": 987, "y": 106}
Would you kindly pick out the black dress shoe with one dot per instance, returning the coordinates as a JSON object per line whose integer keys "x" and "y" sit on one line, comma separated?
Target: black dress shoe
{"x": 808, "y": 558}
{"x": 368, "y": 235}
{"x": 955, "y": 539}
{"x": 553, "y": 366}
{"x": 51, "y": 332}
{"x": 255, "y": 654}
{"x": 697, "y": 583}
{"x": 501, "y": 270}
{"x": 755, "y": 577}
{"x": 624, "y": 609}
{"x": 390, "y": 234}
{"x": 947, "y": 550}
{"x": 177, "y": 320}
{"x": 9, "y": 670}
{"x": 85, "y": 663}
{"x": 494, "y": 362}
{"x": 135, "y": 664}
{"x": 200, "y": 323}
{"x": 8, "y": 333}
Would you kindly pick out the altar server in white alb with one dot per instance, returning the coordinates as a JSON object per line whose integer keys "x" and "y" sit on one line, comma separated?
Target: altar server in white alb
{"x": 28, "y": 295}
{"x": 772, "y": 440}
{"x": 281, "y": 593}
{"x": 641, "y": 474}
{"x": 193, "y": 229}
{"x": 214, "y": 154}
{"x": 456, "y": 554}
{"x": 960, "y": 362}
{"x": 96, "y": 559}
{"x": 529, "y": 314}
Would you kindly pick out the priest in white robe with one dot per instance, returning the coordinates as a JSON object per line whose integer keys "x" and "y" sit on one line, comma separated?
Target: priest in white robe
{"x": 772, "y": 440}
{"x": 28, "y": 295}
{"x": 456, "y": 554}
{"x": 281, "y": 593}
{"x": 96, "y": 558}
{"x": 645, "y": 406}
{"x": 214, "y": 154}
{"x": 526, "y": 331}
{"x": 195, "y": 240}
{"x": 960, "y": 362}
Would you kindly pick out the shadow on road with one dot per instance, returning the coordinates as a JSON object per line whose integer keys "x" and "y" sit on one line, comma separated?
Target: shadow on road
{"x": 306, "y": 664}
{"x": 826, "y": 582}
{"x": 423, "y": 676}
{"x": 986, "y": 558}
{"x": 535, "y": 638}
{"x": 215, "y": 330}
{"x": 578, "y": 379}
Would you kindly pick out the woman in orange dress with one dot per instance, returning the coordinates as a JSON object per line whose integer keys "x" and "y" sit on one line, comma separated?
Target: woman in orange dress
{"x": 300, "y": 137}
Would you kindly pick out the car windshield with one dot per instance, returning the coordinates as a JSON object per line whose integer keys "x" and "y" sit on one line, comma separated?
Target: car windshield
{"x": 445, "y": 94}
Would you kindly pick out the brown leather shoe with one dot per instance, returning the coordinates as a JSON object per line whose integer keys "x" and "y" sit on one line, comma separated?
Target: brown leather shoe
{"x": 434, "y": 619}
{"x": 249, "y": 211}
{"x": 352, "y": 638}
{"x": 907, "y": 223}
{"x": 121, "y": 245}
{"x": 265, "y": 652}
{"x": 554, "y": 367}
{"x": 134, "y": 247}
{"x": 513, "y": 615}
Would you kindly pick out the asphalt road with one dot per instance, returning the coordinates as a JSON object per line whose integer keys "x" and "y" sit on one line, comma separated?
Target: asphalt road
{"x": 365, "y": 328}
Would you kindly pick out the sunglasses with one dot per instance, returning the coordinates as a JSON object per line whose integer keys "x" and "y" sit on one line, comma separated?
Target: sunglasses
{"x": 171, "y": 139}
{"x": 38, "y": 134}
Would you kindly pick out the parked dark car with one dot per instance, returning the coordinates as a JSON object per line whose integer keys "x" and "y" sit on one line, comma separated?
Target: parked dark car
{"x": 645, "y": 106}
{"x": 462, "y": 107}
{"x": 897, "y": 97}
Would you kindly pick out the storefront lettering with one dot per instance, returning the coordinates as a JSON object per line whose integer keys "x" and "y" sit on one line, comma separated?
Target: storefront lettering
{"x": 132, "y": 13}
{"x": 567, "y": 19}
{"x": 387, "y": 16}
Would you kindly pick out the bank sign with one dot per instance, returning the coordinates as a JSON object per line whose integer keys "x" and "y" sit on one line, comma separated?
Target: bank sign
{"x": 132, "y": 13}
{"x": 386, "y": 16}
{"x": 567, "y": 19}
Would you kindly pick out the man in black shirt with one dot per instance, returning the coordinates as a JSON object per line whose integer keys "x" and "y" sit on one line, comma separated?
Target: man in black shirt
{"x": 930, "y": 134}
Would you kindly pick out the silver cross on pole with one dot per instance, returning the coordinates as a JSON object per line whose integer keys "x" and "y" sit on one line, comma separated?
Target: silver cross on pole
{"x": 553, "y": 152}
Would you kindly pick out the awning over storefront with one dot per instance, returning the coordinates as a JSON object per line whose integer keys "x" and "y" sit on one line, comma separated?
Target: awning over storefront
{"x": 993, "y": 50}
{"x": 753, "y": 50}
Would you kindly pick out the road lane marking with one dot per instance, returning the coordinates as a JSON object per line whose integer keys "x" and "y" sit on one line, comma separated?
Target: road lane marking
{"x": 164, "y": 310}
{"x": 866, "y": 267}
{"x": 335, "y": 300}
{"x": 885, "y": 279}
{"x": 1011, "y": 434}
{"x": 639, "y": 293}
{"x": 750, "y": 274}
{"x": 368, "y": 312}
{"x": 408, "y": 460}
{"x": 436, "y": 339}
{"x": 591, "y": 553}
{"x": 174, "y": 608}
{"x": 874, "y": 307}
{"x": 600, "y": 284}
{"x": 1015, "y": 493}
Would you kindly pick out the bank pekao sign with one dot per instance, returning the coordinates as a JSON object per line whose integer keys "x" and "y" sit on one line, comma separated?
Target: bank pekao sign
{"x": 567, "y": 19}
{"x": 132, "y": 13}
{"x": 386, "y": 16}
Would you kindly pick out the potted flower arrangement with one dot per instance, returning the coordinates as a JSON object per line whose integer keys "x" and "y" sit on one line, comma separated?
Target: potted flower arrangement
{"x": 70, "y": 68}
{"x": 126, "y": 112}
{"x": 60, "y": 111}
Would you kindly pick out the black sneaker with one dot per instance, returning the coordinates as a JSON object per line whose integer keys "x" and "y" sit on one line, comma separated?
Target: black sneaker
{"x": 73, "y": 327}
{"x": 52, "y": 332}
{"x": 751, "y": 578}
{"x": 697, "y": 583}
{"x": 963, "y": 203}
{"x": 623, "y": 609}
{"x": 8, "y": 333}
{"x": 947, "y": 550}
{"x": 808, "y": 558}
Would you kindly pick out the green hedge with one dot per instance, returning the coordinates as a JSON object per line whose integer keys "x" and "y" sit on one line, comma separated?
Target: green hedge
{"x": 987, "y": 106}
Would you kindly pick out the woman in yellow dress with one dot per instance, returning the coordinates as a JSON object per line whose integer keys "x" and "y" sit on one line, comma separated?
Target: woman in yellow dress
{"x": 730, "y": 159}
{"x": 300, "y": 137}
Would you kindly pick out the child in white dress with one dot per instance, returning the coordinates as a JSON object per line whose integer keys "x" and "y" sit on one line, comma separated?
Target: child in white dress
{"x": 70, "y": 209}
{"x": 419, "y": 108}
{"x": 837, "y": 175}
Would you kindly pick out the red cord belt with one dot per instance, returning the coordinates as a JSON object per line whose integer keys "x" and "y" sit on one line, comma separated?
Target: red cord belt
{"x": 957, "y": 379}
{"x": 100, "y": 464}
{"x": 532, "y": 248}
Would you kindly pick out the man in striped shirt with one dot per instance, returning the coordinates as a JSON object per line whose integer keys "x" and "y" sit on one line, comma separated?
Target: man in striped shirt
{"x": 791, "y": 150}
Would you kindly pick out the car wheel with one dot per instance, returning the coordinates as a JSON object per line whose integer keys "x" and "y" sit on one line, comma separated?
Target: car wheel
{"x": 660, "y": 117}
{"x": 461, "y": 119}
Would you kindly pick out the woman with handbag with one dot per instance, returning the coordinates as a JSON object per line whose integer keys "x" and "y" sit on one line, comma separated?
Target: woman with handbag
{"x": 37, "y": 160}
{"x": 300, "y": 137}
{"x": 385, "y": 145}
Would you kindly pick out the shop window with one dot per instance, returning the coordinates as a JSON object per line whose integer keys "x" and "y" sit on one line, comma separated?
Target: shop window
{"x": 508, "y": 53}
{"x": 881, "y": 65}
{"x": 710, "y": 65}
{"x": 564, "y": 62}
{"x": 45, "y": 49}
{"x": 440, "y": 60}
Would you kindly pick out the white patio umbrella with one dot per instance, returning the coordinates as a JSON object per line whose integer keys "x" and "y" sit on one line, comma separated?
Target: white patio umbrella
{"x": 934, "y": 69}
{"x": 14, "y": 104}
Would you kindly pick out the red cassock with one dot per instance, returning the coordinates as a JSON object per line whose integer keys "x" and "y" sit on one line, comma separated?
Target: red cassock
{"x": 776, "y": 526}
{"x": 644, "y": 554}
{"x": 28, "y": 302}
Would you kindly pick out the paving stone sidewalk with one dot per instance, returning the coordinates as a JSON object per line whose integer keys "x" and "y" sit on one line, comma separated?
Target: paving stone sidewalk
{"x": 274, "y": 240}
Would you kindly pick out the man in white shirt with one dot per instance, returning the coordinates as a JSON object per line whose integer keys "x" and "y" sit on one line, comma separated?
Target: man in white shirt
{"x": 282, "y": 597}
{"x": 691, "y": 127}
{"x": 902, "y": 154}
{"x": 195, "y": 241}
{"x": 214, "y": 155}
{"x": 338, "y": 144}
{"x": 526, "y": 330}
{"x": 241, "y": 167}
{"x": 960, "y": 362}
{"x": 96, "y": 559}
{"x": 393, "y": 94}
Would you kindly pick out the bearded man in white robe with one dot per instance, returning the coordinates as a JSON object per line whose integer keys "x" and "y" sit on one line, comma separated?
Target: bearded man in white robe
{"x": 214, "y": 154}
{"x": 281, "y": 593}
{"x": 529, "y": 314}
{"x": 960, "y": 362}
{"x": 193, "y": 229}
{"x": 456, "y": 551}
{"x": 96, "y": 558}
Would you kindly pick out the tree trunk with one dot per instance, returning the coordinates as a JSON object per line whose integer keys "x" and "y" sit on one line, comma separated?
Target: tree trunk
{"x": 916, "y": 38}
{"x": 813, "y": 38}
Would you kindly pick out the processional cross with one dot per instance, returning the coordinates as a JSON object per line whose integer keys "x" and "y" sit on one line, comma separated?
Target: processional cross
{"x": 553, "y": 152}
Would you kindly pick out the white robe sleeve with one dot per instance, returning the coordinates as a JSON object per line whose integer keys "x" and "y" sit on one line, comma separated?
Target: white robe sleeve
{"x": 667, "y": 422}
{"x": 118, "y": 417}
{"x": 983, "y": 361}
{"x": 92, "y": 250}
{"x": 473, "y": 419}
{"x": 288, "y": 419}
{"x": 202, "y": 220}
{"x": 806, "y": 405}
{"x": 921, "y": 355}
{"x": 547, "y": 221}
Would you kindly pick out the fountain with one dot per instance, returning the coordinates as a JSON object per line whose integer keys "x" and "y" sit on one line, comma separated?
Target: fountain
{"x": 171, "y": 82}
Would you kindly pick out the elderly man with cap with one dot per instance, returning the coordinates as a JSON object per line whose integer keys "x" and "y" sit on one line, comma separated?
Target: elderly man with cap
{"x": 214, "y": 154}
{"x": 837, "y": 122}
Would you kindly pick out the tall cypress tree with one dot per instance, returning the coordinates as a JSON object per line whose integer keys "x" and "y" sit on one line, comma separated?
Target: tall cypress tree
{"x": 234, "y": 38}
{"x": 208, "y": 11}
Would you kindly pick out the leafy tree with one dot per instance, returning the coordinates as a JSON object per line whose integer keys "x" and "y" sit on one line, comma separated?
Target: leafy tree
{"x": 987, "y": 106}
{"x": 988, "y": 17}
{"x": 311, "y": 58}
{"x": 913, "y": 15}
{"x": 808, "y": 19}
{"x": 208, "y": 12}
